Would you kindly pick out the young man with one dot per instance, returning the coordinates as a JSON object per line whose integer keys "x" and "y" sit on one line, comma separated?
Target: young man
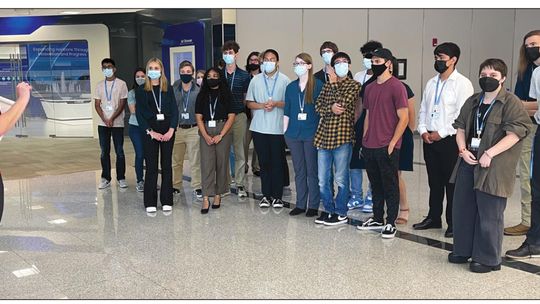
{"x": 110, "y": 101}
{"x": 357, "y": 165}
{"x": 265, "y": 96}
{"x": 334, "y": 137}
{"x": 443, "y": 97}
{"x": 327, "y": 51}
{"x": 187, "y": 135}
{"x": 238, "y": 81}
{"x": 385, "y": 101}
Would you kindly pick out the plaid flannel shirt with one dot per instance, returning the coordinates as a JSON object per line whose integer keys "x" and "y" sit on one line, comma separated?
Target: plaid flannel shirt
{"x": 336, "y": 130}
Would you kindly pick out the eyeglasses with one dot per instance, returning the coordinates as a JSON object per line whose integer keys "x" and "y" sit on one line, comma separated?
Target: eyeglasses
{"x": 295, "y": 64}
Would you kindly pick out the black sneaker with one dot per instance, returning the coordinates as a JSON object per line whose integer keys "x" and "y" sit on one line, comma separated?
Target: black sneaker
{"x": 370, "y": 225}
{"x": 525, "y": 251}
{"x": 388, "y": 232}
{"x": 312, "y": 212}
{"x": 324, "y": 216}
{"x": 198, "y": 193}
{"x": 264, "y": 203}
{"x": 297, "y": 211}
{"x": 335, "y": 220}
{"x": 277, "y": 203}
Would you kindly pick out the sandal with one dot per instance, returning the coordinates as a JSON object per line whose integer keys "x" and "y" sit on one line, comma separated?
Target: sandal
{"x": 402, "y": 220}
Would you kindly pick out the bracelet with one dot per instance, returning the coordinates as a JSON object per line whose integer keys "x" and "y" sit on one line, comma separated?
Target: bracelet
{"x": 487, "y": 154}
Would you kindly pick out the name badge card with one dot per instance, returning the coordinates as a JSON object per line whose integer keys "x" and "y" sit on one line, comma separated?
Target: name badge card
{"x": 185, "y": 115}
{"x": 160, "y": 117}
{"x": 475, "y": 143}
{"x": 212, "y": 123}
{"x": 302, "y": 116}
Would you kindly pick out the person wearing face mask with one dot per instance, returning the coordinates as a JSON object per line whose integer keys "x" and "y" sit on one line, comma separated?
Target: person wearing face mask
{"x": 490, "y": 128}
{"x": 529, "y": 59}
{"x": 238, "y": 82}
{"x": 157, "y": 113}
{"x": 327, "y": 51}
{"x": 186, "y": 136}
{"x": 443, "y": 97}
{"x": 137, "y": 134}
{"x": 357, "y": 166}
{"x": 336, "y": 105}
{"x": 254, "y": 68}
{"x": 200, "y": 76}
{"x": 215, "y": 117}
{"x": 265, "y": 97}
{"x": 300, "y": 121}
{"x": 110, "y": 101}
{"x": 387, "y": 116}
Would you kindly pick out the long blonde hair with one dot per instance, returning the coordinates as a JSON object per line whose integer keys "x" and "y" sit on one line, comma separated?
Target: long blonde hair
{"x": 163, "y": 79}
{"x": 311, "y": 80}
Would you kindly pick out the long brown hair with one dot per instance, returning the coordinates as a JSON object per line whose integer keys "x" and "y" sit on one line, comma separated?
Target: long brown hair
{"x": 163, "y": 79}
{"x": 523, "y": 61}
{"x": 310, "y": 86}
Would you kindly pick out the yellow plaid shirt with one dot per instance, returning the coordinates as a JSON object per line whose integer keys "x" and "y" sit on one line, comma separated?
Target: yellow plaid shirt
{"x": 336, "y": 130}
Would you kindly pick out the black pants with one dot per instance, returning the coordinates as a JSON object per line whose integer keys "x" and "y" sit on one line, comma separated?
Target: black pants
{"x": 440, "y": 158}
{"x": 271, "y": 152}
{"x": 152, "y": 150}
{"x": 479, "y": 218}
{"x": 533, "y": 236}
{"x": 382, "y": 171}
{"x": 1, "y": 197}
{"x": 117, "y": 134}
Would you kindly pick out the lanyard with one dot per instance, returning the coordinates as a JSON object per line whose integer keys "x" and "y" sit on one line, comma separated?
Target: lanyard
{"x": 185, "y": 101}
{"x": 301, "y": 101}
{"x": 438, "y": 97}
{"x": 270, "y": 94}
{"x": 364, "y": 80}
{"x": 212, "y": 111}
{"x": 109, "y": 96}
{"x": 155, "y": 99}
{"x": 325, "y": 75}
{"x": 232, "y": 79}
{"x": 480, "y": 125}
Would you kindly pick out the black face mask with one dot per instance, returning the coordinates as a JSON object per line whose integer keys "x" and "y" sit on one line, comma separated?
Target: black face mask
{"x": 488, "y": 84}
{"x": 252, "y": 67}
{"x": 532, "y": 53}
{"x": 378, "y": 69}
{"x": 186, "y": 78}
{"x": 440, "y": 66}
{"x": 212, "y": 82}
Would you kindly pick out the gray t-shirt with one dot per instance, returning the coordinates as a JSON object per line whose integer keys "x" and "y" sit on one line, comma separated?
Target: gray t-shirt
{"x": 185, "y": 102}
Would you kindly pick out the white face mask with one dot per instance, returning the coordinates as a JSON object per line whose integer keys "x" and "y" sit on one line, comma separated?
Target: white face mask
{"x": 327, "y": 57}
{"x": 269, "y": 66}
{"x": 199, "y": 81}
{"x": 300, "y": 70}
{"x": 140, "y": 80}
{"x": 341, "y": 69}
{"x": 367, "y": 63}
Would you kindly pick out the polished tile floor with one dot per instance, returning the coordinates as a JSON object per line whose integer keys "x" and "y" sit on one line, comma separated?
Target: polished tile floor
{"x": 61, "y": 237}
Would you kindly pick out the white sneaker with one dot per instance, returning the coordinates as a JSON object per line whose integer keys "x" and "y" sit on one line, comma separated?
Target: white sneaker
{"x": 104, "y": 184}
{"x": 140, "y": 186}
{"x": 242, "y": 192}
{"x": 167, "y": 208}
{"x": 151, "y": 209}
{"x": 122, "y": 183}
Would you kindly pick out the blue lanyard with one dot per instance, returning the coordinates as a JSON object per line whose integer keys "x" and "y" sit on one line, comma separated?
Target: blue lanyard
{"x": 481, "y": 125}
{"x": 109, "y": 96}
{"x": 301, "y": 101}
{"x": 232, "y": 79}
{"x": 212, "y": 111}
{"x": 185, "y": 102}
{"x": 155, "y": 99}
{"x": 270, "y": 94}
{"x": 438, "y": 97}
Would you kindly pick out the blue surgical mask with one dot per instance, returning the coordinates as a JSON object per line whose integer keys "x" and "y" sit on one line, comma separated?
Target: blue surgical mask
{"x": 154, "y": 74}
{"x": 140, "y": 80}
{"x": 327, "y": 57}
{"x": 341, "y": 69}
{"x": 108, "y": 72}
{"x": 229, "y": 59}
{"x": 269, "y": 66}
{"x": 300, "y": 70}
{"x": 367, "y": 63}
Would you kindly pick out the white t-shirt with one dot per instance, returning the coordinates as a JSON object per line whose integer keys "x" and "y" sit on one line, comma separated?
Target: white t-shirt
{"x": 534, "y": 91}
{"x": 362, "y": 77}
{"x": 119, "y": 91}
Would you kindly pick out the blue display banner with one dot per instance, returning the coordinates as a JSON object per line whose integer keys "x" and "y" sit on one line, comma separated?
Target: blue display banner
{"x": 182, "y": 35}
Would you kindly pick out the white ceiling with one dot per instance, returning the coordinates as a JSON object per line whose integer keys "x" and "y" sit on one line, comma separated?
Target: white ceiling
{"x": 11, "y": 12}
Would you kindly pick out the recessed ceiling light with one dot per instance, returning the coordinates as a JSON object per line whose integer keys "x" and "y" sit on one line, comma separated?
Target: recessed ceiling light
{"x": 70, "y": 13}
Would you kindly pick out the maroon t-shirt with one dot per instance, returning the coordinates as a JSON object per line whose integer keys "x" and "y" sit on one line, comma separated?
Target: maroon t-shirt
{"x": 382, "y": 101}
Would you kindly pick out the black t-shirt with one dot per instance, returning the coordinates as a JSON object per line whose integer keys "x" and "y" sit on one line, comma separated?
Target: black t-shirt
{"x": 222, "y": 104}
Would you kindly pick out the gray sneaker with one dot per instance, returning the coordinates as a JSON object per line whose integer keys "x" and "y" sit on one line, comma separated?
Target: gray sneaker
{"x": 122, "y": 183}
{"x": 140, "y": 186}
{"x": 104, "y": 184}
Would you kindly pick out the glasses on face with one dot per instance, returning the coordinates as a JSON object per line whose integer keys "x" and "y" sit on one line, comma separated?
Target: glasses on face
{"x": 295, "y": 64}
{"x": 327, "y": 51}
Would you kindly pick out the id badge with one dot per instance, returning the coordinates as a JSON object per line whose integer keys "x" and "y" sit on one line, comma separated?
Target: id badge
{"x": 302, "y": 116}
{"x": 211, "y": 123}
{"x": 475, "y": 143}
{"x": 109, "y": 108}
{"x": 185, "y": 115}
{"x": 160, "y": 117}
{"x": 435, "y": 115}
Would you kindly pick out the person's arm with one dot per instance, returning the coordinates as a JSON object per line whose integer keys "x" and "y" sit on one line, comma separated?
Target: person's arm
{"x": 10, "y": 117}
{"x": 412, "y": 114}
{"x": 97, "y": 105}
{"x": 131, "y": 101}
{"x": 366, "y": 123}
{"x": 226, "y": 128}
{"x": 422, "y": 115}
{"x": 403, "y": 115}
{"x": 174, "y": 115}
{"x": 358, "y": 108}
{"x": 250, "y": 98}
{"x": 119, "y": 110}
{"x": 467, "y": 156}
{"x": 202, "y": 129}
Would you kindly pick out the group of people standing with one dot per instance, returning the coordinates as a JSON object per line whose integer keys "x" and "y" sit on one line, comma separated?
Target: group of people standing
{"x": 336, "y": 126}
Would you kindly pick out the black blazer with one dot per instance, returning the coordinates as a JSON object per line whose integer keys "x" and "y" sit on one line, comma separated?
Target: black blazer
{"x": 146, "y": 110}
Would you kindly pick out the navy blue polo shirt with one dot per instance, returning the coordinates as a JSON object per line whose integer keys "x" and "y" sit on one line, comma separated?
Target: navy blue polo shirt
{"x": 238, "y": 84}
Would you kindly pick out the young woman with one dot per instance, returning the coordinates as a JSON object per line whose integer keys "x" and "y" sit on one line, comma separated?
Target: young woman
{"x": 157, "y": 113}
{"x": 137, "y": 134}
{"x": 199, "y": 77}
{"x": 490, "y": 129}
{"x": 300, "y": 123}
{"x": 214, "y": 118}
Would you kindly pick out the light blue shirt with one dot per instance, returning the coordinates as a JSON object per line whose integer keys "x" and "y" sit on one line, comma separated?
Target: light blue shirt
{"x": 259, "y": 91}
{"x": 131, "y": 101}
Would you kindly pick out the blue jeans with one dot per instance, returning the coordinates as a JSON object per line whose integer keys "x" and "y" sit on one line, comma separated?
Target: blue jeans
{"x": 335, "y": 160}
{"x": 117, "y": 134}
{"x": 357, "y": 178}
{"x": 137, "y": 135}
{"x": 231, "y": 161}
